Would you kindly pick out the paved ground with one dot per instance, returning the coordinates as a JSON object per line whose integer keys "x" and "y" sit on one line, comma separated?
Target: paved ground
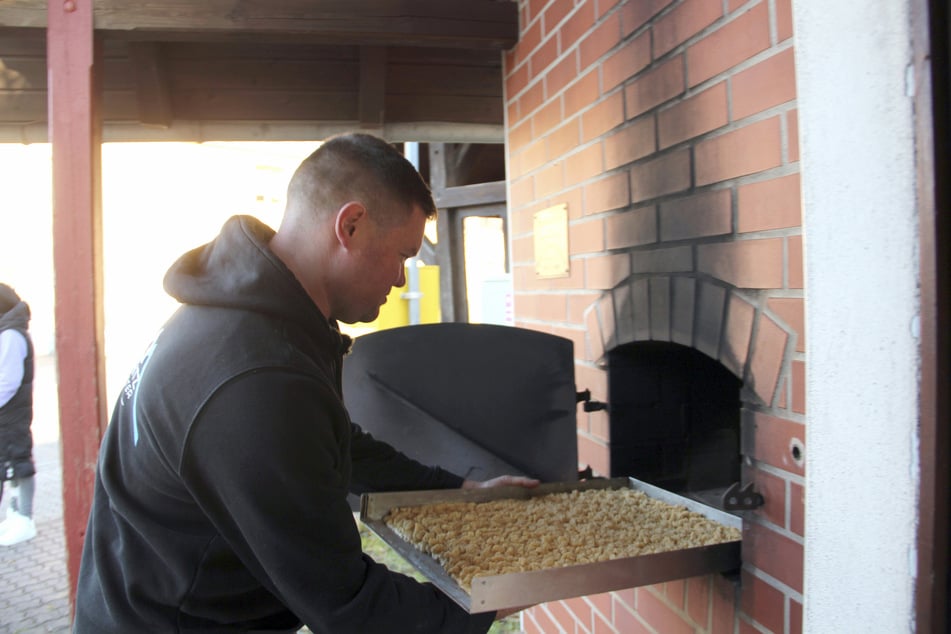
{"x": 34, "y": 587}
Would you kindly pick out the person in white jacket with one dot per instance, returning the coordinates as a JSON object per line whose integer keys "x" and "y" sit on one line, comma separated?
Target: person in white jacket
{"x": 16, "y": 417}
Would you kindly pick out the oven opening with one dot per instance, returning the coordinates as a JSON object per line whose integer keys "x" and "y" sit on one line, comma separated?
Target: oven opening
{"x": 674, "y": 419}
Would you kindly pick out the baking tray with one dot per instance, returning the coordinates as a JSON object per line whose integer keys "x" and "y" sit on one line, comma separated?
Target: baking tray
{"x": 524, "y": 589}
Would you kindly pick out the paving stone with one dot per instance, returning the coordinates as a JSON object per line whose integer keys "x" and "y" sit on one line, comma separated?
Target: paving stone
{"x": 34, "y": 585}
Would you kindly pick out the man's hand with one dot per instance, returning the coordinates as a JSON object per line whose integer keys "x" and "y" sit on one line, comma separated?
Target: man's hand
{"x": 502, "y": 481}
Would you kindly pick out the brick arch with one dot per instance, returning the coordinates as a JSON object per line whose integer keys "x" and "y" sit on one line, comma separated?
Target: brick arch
{"x": 723, "y": 322}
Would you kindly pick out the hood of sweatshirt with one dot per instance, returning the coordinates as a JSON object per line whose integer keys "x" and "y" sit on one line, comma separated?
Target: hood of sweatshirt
{"x": 238, "y": 270}
{"x": 17, "y": 317}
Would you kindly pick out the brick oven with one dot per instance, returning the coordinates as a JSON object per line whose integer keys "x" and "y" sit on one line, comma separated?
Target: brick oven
{"x": 666, "y": 133}
{"x": 674, "y": 419}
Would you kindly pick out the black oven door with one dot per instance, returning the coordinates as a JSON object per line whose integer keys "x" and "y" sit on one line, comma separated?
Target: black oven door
{"x": 479, "y": 400}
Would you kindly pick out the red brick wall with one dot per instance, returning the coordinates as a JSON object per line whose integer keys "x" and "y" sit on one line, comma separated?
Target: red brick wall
{"x": 669, "y": 129}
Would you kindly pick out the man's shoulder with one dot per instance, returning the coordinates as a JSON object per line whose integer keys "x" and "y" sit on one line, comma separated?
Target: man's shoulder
{"x": 224, "y": 342}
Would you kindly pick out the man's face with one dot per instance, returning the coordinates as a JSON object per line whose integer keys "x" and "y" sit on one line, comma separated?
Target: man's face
{"x": 379, "y": 260}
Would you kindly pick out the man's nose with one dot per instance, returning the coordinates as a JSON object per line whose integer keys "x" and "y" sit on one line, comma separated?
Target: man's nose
{"x": 401, "y": 279}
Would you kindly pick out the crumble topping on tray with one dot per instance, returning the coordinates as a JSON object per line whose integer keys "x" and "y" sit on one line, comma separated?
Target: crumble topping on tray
{"x": 476, "y": 539}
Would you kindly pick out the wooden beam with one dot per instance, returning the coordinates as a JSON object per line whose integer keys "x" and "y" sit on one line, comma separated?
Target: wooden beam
{"x": 75, "y": 132}
{"x": 448, "y": 108}
{"x": 485, "y": 24}
{"x": 371, "y": 106}
{"x": 470, "y": 195}
{"x": 931, "y": 52}
{"x": 23, "y": 13}
{"x": 155, "y": 105}
{"x": 455, "y": 204}
{"x": 444, "y": 247}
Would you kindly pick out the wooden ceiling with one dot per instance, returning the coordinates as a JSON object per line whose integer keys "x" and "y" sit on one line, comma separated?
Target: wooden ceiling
{"x": 416, "y": 70}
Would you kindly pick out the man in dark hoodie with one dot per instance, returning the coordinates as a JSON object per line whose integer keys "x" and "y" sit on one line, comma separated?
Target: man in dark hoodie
{"x": 16, "y": 417}
{"x": 220, "y": 500}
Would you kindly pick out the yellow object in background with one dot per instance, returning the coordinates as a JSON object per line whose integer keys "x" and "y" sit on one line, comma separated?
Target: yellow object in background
{"x": 395, "y": 312}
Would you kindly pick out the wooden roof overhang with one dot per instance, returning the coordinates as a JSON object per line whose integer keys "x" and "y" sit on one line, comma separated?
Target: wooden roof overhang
{"x": 268, "y": 70}
{"x": 423, "y": 70}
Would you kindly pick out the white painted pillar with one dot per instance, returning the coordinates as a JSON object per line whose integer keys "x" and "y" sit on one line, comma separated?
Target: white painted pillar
{"x": 853, "y": 62}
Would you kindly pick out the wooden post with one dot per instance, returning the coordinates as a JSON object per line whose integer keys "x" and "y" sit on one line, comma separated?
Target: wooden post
{"x": 932, "y": 63}
{"x": 75, "y": 134}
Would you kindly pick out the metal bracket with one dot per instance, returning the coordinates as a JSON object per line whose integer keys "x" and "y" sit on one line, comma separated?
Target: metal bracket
{"x": 738, "y": 498}
{"x": 589, "y": 405}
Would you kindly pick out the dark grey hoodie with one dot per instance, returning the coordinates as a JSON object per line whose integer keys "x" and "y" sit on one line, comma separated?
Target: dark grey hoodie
{"x": 220, "y": 500}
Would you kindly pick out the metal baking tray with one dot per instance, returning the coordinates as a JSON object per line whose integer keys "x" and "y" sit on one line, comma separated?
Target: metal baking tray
{"x": 524, "y": 589}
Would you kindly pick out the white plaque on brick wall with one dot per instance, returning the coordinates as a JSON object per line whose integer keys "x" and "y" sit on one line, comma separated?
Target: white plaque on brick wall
{"x": 551, "y": 242}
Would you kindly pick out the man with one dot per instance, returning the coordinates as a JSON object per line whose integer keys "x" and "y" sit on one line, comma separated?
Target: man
{"x": 16, "y": 416}
{"x": 220, "y": 501}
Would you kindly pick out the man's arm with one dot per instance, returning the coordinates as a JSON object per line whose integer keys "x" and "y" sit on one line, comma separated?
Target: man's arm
{"x": 377, "y": 466}
{"x": 502, "y": 481}
{"x": 267, "y": 463}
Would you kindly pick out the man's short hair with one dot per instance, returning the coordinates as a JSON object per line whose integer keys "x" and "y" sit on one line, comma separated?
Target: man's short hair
{"x": 358, "y": 166}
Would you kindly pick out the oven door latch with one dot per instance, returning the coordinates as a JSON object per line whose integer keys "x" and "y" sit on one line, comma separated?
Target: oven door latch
{"x": 737, "y": 498}
{"x": 589, "y": 405}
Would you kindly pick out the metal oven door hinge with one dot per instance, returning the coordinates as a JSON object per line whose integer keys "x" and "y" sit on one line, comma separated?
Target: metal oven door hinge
{"x": 738, "y": 498}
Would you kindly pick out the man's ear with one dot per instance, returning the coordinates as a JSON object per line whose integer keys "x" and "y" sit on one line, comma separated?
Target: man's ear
{"x": 350, "y": 218}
